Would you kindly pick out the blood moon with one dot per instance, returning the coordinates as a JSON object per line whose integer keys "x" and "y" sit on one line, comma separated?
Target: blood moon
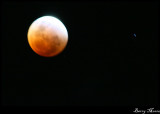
{"x": 47, "y": 36}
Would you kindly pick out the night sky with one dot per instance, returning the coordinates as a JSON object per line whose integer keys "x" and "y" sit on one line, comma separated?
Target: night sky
{"x": 104, "y": 64}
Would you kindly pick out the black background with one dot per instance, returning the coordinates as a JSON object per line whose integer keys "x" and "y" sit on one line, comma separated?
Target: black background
{"x": 102, "y": 65}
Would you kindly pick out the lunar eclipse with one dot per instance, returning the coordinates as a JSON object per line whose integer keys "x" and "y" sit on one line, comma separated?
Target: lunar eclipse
{"x": 59, "y": 53}
{"x": 47, "y": 36}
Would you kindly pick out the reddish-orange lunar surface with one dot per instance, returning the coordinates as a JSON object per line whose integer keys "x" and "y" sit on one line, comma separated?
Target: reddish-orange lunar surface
{"x": 47, "y": 36}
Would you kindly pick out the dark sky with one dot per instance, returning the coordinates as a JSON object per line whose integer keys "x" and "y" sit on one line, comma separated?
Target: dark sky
{"x": 102, "y": 65}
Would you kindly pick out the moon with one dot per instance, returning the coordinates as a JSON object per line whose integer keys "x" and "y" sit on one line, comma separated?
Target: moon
{"x": 47, "y": 36}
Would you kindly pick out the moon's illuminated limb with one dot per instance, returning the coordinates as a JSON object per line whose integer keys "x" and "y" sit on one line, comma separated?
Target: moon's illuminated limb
{"x": 47, "y": 36}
